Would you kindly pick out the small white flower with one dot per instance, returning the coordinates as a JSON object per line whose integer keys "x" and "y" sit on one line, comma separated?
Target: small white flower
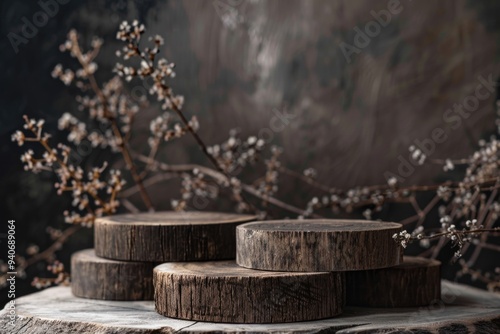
{"x": 392, "y": 181}
{"x": 18, "y": 137}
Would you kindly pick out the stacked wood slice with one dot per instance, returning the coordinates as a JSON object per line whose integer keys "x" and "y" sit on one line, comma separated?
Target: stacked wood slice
{"x": 128, "y": 247}
{"x": 317, "y": 245}
{"x": 225, "y": 268}
{"x": 224, "y": 292}
{"x": 415, "y": 282}
{"x": 99, "y": 278}
{"x": 168, "y": 236}
{"x": 285, "y": 271}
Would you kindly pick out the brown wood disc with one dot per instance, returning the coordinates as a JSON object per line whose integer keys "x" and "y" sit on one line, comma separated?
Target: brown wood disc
{"x": 224, "y": 292}
{"x": 98, "y": 278}
{"x": 415, "y": 282}
{"x": 168, "y": 236}
{"x": 317, "y": 245}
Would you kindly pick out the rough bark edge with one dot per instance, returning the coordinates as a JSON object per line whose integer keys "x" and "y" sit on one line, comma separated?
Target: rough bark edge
{"x": 276, "y": 300}
{"x": 316, "y": 251}
{"x": 396, "y": 287}
{"x": 168, "y": 243}
{"x": 110, "y": 280}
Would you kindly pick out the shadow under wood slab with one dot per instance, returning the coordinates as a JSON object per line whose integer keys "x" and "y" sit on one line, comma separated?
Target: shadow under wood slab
{"x": 56, "y": 310}
{"x": 168, "y": 236}
{"x": 317, "y": 245}
{"x": 415, "y": 282}
{"x": 99, "y": 278}
{"x": 222, "y": 291}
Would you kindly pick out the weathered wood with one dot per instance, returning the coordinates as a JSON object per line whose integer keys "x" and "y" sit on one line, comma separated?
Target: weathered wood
{"x": 415, "y": 282}
{"x": 98, "y": 278}
{"x": 56, "y": 310}
{"x": 168, "y": 236}
{"x": 224, "y": 292}
{"x": 317, "y": 245}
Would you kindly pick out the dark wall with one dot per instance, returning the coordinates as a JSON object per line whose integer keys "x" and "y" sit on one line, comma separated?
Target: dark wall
{"x": 237, "y": 62}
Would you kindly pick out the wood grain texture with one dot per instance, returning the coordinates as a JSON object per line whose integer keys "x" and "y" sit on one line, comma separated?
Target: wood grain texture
{"x": 224, "y": 292}
{"x": 56, "y": 310}
{"x": 415, "y": 282}
{"x": 168, "y": 236}
{"x": 98, "y": 278}
{"x": 317, "y": 245}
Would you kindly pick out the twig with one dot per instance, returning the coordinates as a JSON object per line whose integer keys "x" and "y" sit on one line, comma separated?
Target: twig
{"x": 122, "y": 144}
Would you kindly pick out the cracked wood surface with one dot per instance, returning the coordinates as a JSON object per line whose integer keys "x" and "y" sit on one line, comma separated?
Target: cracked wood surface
{"x": 99, "y": 278}
{"x": 55, "y": 310}
{"x": 222, "y": 291}
{"x": 317, "y": 245}
{"x": 168, "y": 236}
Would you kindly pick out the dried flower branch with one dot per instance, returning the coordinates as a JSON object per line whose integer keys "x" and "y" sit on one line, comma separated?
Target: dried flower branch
{"x": 471, "y": 203}
{"x": 160, "y": 71}
{"x": 194, "y": 184}
{"x": 269, "y": 185}
{"x": 235, "y": 153}
{"x": 108, "y": 106}
{"x": 56, "y": 268}
{"x": 458, "y": 237}
{"x": 491, "y": 279}
{"x": 86, "y": 192}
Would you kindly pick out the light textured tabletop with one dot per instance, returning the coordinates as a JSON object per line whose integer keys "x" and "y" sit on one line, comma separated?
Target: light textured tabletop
{"x": 55, "y": 310}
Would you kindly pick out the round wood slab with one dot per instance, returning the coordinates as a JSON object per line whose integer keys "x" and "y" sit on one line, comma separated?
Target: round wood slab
{"x": 98, "y": 278}
{"x": 415, "y": 282}
{"x": 168, "y": 236}
{"x": 317, "y": 245}
{"x": 224, "y": 292}
{"x": 55, "y": 310}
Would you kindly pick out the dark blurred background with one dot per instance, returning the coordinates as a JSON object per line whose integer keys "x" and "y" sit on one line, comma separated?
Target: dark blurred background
{"x": 237, "y": 62}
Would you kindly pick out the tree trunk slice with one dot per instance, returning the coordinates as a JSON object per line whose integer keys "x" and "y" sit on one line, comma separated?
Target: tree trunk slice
{"x": 168, "y": 236}
{"x": 98, "y": 278}
{"x": 317, "y": 245}
{"x": 224, "y": 292}
{"x": 415, "y": 282}
{"x": 56, "y": 310}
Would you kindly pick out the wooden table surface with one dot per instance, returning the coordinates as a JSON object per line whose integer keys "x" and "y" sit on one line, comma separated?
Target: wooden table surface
{"x": 56, "y": 310}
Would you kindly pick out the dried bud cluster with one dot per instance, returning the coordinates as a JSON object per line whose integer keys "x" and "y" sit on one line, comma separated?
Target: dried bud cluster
{"x": 86, "y": 192}
{"x": 417, "y": 155}
{"x": 269, "y": 185}
{"x": 160, "y": 71}
{"x": 352, "y": 199}
{"x": 402, "y": 238}
{"x": 458, "y": 237}
{"x": 236, "y": 153}
{"x": 195, "y": 187}
{"x": 56, "y": 268}
{"x": 160, "y": 130}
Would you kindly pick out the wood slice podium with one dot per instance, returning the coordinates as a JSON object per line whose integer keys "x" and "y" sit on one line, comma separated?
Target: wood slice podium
{"x": 55, "y": 310}
{"x": 168, "y": 236}
{"x": 317, "y": 245}
{"x": 415, "y": 282}
{"x": 99, "y": 278}
{"x": 224, "y": 292}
